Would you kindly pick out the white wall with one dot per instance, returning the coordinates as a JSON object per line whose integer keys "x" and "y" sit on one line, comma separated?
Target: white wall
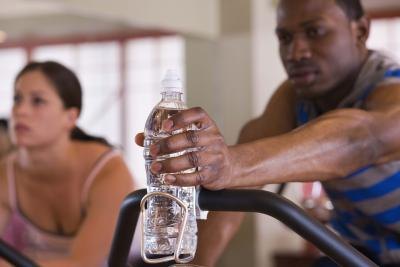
{"x": 267, "y": 71}
{"x": 219, "y": 77}
{"x": 185, "y": 16}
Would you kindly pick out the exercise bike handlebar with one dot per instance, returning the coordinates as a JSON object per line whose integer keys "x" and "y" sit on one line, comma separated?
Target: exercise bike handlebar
{"x": 244, "y": 201}
{"x": 14, "y": 257}
{"x": 225, "y": 200}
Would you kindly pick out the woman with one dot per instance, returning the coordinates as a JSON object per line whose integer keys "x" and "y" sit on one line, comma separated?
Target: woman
{"x": 60, "y": 191}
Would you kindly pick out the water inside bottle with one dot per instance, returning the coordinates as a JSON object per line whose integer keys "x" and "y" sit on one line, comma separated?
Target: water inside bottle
{"x": 164, "y": 215}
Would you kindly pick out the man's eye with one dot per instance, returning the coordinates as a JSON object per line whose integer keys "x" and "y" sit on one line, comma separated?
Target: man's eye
{"x": 315, "y": 32}
{"x": 284, "y": 38}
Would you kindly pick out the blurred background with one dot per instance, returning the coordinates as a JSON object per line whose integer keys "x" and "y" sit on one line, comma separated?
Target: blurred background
{"x": 225, "y": 51}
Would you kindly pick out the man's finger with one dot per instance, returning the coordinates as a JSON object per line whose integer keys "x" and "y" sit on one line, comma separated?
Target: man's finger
{"x": 184, "y": 162}
{"x": 139, "y": 139}
{"x": 189, "y": 179}
{"x": 186, "y": 118}
{"x": 185, "y": 140}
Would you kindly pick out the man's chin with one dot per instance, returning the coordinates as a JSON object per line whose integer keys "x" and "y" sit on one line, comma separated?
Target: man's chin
{"x": 308, "y": 92}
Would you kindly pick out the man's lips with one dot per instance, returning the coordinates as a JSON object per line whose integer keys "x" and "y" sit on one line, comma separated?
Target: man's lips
{"x": 303, "y": 76}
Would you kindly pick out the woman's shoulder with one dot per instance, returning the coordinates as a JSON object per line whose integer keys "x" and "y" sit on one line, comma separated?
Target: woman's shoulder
{"x": 89, "y": 153}
{"x": 91, "y": 148}
{"x": 100, "y": 158}
{"x": 107, "y": 169}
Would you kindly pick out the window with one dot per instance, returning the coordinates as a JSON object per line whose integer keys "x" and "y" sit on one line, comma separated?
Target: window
{"x": 120, "y": 81}
{"x": 97, "y": 66}
{"x": 385, "y": 35}
{"x": 147, "y": 62}
{"x": 12, "y": 60}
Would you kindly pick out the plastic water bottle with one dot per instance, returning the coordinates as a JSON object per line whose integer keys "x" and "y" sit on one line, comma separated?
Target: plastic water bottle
{"x": 163, "y": 216}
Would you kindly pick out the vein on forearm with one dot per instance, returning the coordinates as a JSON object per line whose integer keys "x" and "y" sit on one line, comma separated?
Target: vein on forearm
{"x": 329, "y": 147}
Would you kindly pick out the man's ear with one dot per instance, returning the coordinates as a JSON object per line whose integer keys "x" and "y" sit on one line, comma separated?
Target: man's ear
{"x": 361, "y": 28}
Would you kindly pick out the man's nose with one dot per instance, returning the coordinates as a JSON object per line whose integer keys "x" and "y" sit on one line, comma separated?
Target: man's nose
{"x": 299, "y": 49}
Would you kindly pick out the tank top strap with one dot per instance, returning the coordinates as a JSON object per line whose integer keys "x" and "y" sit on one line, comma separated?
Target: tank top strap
{"x": 12, "y": 191}
{"x": 100, "y": 163}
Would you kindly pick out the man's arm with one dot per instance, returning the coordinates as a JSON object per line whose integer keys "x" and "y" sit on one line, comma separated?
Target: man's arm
{"x": 279, "y": 117}
{"x": 220, "y": 227}
{"x": 332, "y": 146}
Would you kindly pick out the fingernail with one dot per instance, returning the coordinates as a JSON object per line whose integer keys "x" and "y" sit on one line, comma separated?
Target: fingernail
{"x": 169, "y": 179}
{"x": 154, "y": 149}
{"x": 155, "y": 167}
{"x": 167, "y": 125}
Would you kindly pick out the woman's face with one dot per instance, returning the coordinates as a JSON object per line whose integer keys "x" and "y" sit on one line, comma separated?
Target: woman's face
{"x": 39, "y": 117}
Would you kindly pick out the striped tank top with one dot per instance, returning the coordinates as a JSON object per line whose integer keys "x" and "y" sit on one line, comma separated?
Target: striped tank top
{"x": 30, "y": 239}
{"x": 366, "y": 202}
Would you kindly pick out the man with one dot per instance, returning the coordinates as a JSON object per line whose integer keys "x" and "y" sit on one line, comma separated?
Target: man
{"x": 335, "y": 120}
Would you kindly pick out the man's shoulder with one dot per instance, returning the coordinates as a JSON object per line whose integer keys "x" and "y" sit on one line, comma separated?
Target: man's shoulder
{"x": 277, "y": 118}
{"x": 283, "y": 96}
{"x": 286, "y": 89}
{"x": 380, "y": 66}
{"x": 386, "y": 58}
{"x": 383, "y": 96}
{"x": 282, "y": 102}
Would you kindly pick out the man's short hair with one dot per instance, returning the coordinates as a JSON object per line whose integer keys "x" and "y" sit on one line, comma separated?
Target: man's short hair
{"x": 352, "y": 8}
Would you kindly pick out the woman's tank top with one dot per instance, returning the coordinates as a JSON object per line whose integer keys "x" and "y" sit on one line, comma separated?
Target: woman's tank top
{"x": 27, "y": 237}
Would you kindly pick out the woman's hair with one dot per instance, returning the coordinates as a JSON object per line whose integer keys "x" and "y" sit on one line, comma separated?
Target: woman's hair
{"x": 5, "y": 141}
{"x": 3, "y": 124}
{"x": 67, "y": 86}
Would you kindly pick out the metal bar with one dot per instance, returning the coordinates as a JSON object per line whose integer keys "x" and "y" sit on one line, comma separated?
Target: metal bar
{"x": 14, "y": 257}
{"x": 126, "y": 225}
{"x": 245, "y": 201}
{"x": 281, "y": 188}
{"x": 291, "y": 215}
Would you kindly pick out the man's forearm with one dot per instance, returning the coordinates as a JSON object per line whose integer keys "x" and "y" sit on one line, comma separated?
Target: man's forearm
{"x": 328, "y": 148}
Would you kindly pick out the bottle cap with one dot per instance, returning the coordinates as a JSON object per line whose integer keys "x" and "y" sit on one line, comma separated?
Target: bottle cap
{"x": 171, "y": 82}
